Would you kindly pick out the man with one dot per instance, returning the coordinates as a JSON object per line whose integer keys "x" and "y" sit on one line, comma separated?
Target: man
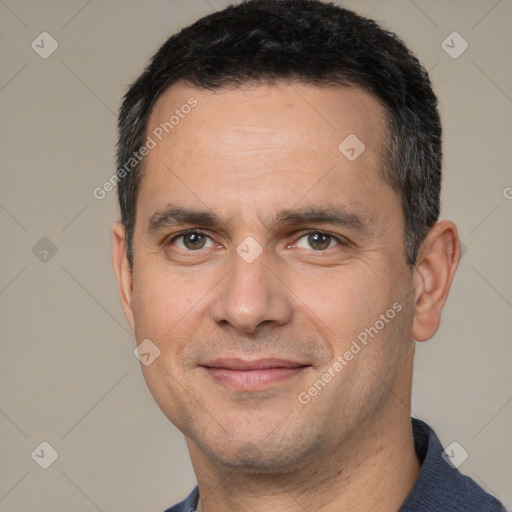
{"x": 278, "y": 254}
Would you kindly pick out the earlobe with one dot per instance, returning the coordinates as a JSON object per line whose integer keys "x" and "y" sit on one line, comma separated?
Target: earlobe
{"x": 437, "y": 262}
{"x": 123, "y": 271}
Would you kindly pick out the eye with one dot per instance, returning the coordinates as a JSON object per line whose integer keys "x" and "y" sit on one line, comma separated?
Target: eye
{"x": 317, "y": 240}
{"x": 192, "y": 241}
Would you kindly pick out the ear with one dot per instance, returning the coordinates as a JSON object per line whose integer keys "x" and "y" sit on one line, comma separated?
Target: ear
{"x": 437, "y": 261}
{"x": 123, "y": 271}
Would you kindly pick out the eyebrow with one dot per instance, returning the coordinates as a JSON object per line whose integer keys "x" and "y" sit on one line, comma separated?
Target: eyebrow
{"x": 334, "y": 215}
{"x": 178, "y": 215}
{"x": 340, "y": 216}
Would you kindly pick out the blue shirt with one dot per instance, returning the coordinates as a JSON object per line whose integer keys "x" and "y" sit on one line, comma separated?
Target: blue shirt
{"x": 439, "y": 487}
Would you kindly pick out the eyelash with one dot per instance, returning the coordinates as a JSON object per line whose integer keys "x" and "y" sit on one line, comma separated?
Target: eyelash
{"x": 342, "y": 241}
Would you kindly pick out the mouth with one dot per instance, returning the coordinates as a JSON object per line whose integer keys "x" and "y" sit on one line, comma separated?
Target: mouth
{"x": 257, "y": 375}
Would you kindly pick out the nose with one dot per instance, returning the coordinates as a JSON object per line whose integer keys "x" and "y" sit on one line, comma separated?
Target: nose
{"x": 252, "y": 295}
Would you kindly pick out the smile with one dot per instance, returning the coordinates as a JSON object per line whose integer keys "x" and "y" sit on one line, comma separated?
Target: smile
{"x": 253, "y": 375}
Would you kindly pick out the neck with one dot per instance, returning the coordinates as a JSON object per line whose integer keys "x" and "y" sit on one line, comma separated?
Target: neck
{"x": 377, "y": 475}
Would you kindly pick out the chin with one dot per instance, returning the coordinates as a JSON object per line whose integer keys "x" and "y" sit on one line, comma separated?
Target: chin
{"x": 260, "y": 454}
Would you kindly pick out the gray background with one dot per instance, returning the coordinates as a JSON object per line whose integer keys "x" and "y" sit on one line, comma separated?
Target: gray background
{"x": 69, "y": 376}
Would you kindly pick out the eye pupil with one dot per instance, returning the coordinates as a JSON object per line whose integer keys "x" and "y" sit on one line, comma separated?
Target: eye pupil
{"x": 194, "y": 240}
{"x": 320, "y": 240}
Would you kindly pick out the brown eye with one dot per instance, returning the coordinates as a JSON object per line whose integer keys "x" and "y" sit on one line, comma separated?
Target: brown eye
{"x": 319, "y": 241}
{"x": 191, "y": 241}
{"x": 316, "y": 240}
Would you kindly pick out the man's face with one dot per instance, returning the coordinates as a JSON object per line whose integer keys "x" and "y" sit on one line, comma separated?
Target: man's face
{"x": 299, "y": 254}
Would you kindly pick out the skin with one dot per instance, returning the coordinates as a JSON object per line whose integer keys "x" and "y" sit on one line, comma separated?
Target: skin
{"x": 245, "y": 154}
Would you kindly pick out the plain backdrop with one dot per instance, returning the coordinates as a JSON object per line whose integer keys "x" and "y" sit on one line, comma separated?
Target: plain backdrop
{"x": 69, "y": 376}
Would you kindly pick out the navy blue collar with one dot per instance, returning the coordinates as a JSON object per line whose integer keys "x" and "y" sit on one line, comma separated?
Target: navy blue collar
{"x": 440, "y": 486}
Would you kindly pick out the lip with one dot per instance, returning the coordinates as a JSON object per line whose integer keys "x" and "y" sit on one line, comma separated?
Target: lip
{"x": 256, "y": 375}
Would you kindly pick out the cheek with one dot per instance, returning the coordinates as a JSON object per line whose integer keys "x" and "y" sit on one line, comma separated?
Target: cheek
{"x": 342, "y": 302}
{"x": 166, "y": 305}
{"x": 166, "y": 309}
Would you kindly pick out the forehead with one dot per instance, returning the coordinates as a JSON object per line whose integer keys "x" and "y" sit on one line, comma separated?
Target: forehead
{"x": 238, "y": 147}
{"x": 326, "y": 114}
